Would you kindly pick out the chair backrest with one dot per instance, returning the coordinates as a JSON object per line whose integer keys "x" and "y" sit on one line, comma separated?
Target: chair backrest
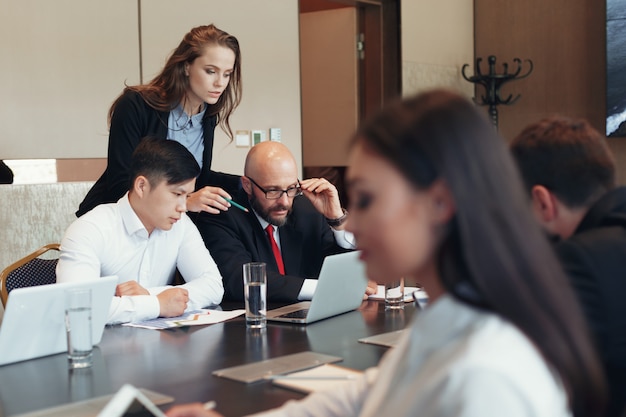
{"x": 29, "y": 271}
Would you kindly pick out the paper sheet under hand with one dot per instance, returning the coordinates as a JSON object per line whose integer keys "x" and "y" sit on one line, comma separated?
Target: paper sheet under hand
{"x": 192, "y": 318}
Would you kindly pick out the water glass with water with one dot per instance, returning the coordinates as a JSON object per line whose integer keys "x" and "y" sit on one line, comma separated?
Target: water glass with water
{"x": 255, "y": 294}
{"x": 78, "y": 326}
{"x": 394, "y": 294}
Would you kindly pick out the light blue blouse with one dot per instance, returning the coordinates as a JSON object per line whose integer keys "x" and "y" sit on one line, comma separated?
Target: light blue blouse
{"x": 187, "y": 130}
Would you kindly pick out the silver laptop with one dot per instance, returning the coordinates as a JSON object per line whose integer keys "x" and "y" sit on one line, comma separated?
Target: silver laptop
{"x": 34, "y": 320}
{"x": 340, "y": 288}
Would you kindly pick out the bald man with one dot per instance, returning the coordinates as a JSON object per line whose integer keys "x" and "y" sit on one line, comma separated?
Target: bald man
{"x": 306, "y": 218}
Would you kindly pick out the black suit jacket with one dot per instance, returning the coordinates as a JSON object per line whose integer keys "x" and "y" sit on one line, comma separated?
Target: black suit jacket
{"x": 235, "y": 237}
{"x": 133, "y": 120}
{"x": 594, "y": 258}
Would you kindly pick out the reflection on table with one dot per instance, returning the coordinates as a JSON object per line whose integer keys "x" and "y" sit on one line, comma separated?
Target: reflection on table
{"x": 178, "y": 362}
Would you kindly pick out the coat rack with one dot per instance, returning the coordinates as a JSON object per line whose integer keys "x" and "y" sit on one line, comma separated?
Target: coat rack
{"x": 493, "y": 82}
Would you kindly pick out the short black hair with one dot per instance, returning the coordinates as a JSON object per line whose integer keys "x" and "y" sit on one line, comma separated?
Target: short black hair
{"x": 568, "y": 157}
{"x": 161, "y": 159}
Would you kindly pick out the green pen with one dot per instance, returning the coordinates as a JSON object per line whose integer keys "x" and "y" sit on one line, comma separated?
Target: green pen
{"x": 239, "y": 206}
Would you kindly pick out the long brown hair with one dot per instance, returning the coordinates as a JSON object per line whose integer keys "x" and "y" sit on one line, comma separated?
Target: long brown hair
{"x": 169, "y": 87}
{"x": 495, "y": 256}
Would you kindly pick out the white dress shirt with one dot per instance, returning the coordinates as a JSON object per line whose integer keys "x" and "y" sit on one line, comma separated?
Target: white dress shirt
{"x": 453, "y": 361}
{"x": 111, "y": 240}
{"x": 343, "y": 238}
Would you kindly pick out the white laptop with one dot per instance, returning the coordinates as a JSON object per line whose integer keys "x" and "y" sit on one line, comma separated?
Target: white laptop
{"x": 34, "y": 319}
{"x": 340, "y": 288}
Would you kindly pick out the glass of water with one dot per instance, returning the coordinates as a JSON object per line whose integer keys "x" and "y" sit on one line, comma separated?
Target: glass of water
{"x": 255, "y": 294}
{"x": 394, "y": 294}
{"x": 78, "y": 327}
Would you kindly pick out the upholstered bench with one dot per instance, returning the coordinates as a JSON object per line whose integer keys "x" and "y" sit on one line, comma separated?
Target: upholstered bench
{"x": 33, "y": 215}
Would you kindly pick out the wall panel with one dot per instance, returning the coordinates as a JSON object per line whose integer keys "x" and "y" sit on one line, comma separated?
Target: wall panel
{"x": 437, "y": 39}
{"x": 566, "y": 42}
{"x": 63, "y": 63}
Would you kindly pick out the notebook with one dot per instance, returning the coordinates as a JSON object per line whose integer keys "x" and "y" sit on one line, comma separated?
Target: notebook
{"x": 34, "y": 319}
{"x": 257, "y": 371}
{"x": 340, "y": 288}
{"x": 388, "y": 339}
{"x": 320, "y": 378}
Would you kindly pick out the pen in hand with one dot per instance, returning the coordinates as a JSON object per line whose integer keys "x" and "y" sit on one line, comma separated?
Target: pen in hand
{"x": 239, "y": 206}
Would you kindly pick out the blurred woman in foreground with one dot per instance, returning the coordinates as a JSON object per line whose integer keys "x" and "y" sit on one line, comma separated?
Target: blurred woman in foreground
{"x": 435, "y": 197}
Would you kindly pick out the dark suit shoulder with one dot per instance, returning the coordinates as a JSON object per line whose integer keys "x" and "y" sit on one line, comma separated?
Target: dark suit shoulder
{"x": 598, "y": 242}
{"x": 304, "y": 213}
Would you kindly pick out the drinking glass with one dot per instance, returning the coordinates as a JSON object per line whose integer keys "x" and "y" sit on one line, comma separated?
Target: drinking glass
{"x": 255, "y": 294}
{"x": 394, "y": 294}
{"x": 78, "y": 327}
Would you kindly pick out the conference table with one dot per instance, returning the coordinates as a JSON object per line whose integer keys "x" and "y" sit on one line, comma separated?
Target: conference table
{"x": 179, "y": 362}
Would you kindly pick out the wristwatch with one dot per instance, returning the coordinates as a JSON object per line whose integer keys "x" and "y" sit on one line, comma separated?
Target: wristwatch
{"x": 339, "y": 220}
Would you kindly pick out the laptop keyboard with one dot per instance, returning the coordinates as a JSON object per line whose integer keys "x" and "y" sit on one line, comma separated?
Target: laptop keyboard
{"x": 298, "y": 314}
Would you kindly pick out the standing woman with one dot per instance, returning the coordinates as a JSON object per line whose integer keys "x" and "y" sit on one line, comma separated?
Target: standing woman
{"x": 199, "y": 88}
{"x": 435, "y": 196}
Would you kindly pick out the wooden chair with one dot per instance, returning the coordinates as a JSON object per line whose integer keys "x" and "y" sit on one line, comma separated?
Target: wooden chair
{"x": 29, "y": 271}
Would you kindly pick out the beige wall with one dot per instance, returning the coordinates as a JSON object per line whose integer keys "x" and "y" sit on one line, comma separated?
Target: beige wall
{"x": 268, "y": 36}
{"x": 63, "y": 61}
{"x": 437, "y": 39}
{"x": 58, "y": 110}
{"x": 69, "y": 59}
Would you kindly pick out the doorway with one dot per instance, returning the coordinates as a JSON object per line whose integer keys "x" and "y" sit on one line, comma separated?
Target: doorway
{"x": 350, "y": 66}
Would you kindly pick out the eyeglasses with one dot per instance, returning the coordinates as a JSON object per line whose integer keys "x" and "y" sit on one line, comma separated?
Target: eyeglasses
{"x": 276, "y": 194}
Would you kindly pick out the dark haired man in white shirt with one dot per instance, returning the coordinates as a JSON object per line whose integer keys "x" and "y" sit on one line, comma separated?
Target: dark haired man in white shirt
{"x": 144, "y": 238}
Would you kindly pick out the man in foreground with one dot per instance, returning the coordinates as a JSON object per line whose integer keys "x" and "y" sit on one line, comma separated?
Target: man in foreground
{"x": 570, "y": 174}
{"x": 144, "y": 238}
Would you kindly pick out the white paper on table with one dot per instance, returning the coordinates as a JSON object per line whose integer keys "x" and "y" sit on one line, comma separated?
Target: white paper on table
{"x": 320, "y": 378}
{"x": 408, "y": 294}
{"x": 192, "y": 318}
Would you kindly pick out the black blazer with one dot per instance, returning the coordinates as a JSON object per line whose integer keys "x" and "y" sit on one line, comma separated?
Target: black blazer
{"x": 133, "y": 120}
{"x": 235, "y": 237}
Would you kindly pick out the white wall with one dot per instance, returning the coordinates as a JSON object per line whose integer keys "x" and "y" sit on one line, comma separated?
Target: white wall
{"x": 67, "y": 60}
{"x": 268, "y": 36}
{"x": 437, "y": 39}
{"x": 63, "y": 61}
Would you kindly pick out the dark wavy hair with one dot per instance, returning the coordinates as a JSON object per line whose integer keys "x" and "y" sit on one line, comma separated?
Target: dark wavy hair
{"x": 169, "y": 87}
{"x": 495, "y": 256}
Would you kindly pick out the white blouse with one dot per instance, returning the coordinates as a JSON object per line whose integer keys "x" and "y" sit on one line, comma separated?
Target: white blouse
{"x": 452, "y": 361}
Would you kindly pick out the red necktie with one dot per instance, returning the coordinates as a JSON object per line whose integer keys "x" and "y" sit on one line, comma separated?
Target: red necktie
{"x": 279, "y": 258}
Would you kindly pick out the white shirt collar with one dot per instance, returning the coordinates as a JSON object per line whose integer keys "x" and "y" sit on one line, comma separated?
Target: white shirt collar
{"x": 132, "y": 222}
